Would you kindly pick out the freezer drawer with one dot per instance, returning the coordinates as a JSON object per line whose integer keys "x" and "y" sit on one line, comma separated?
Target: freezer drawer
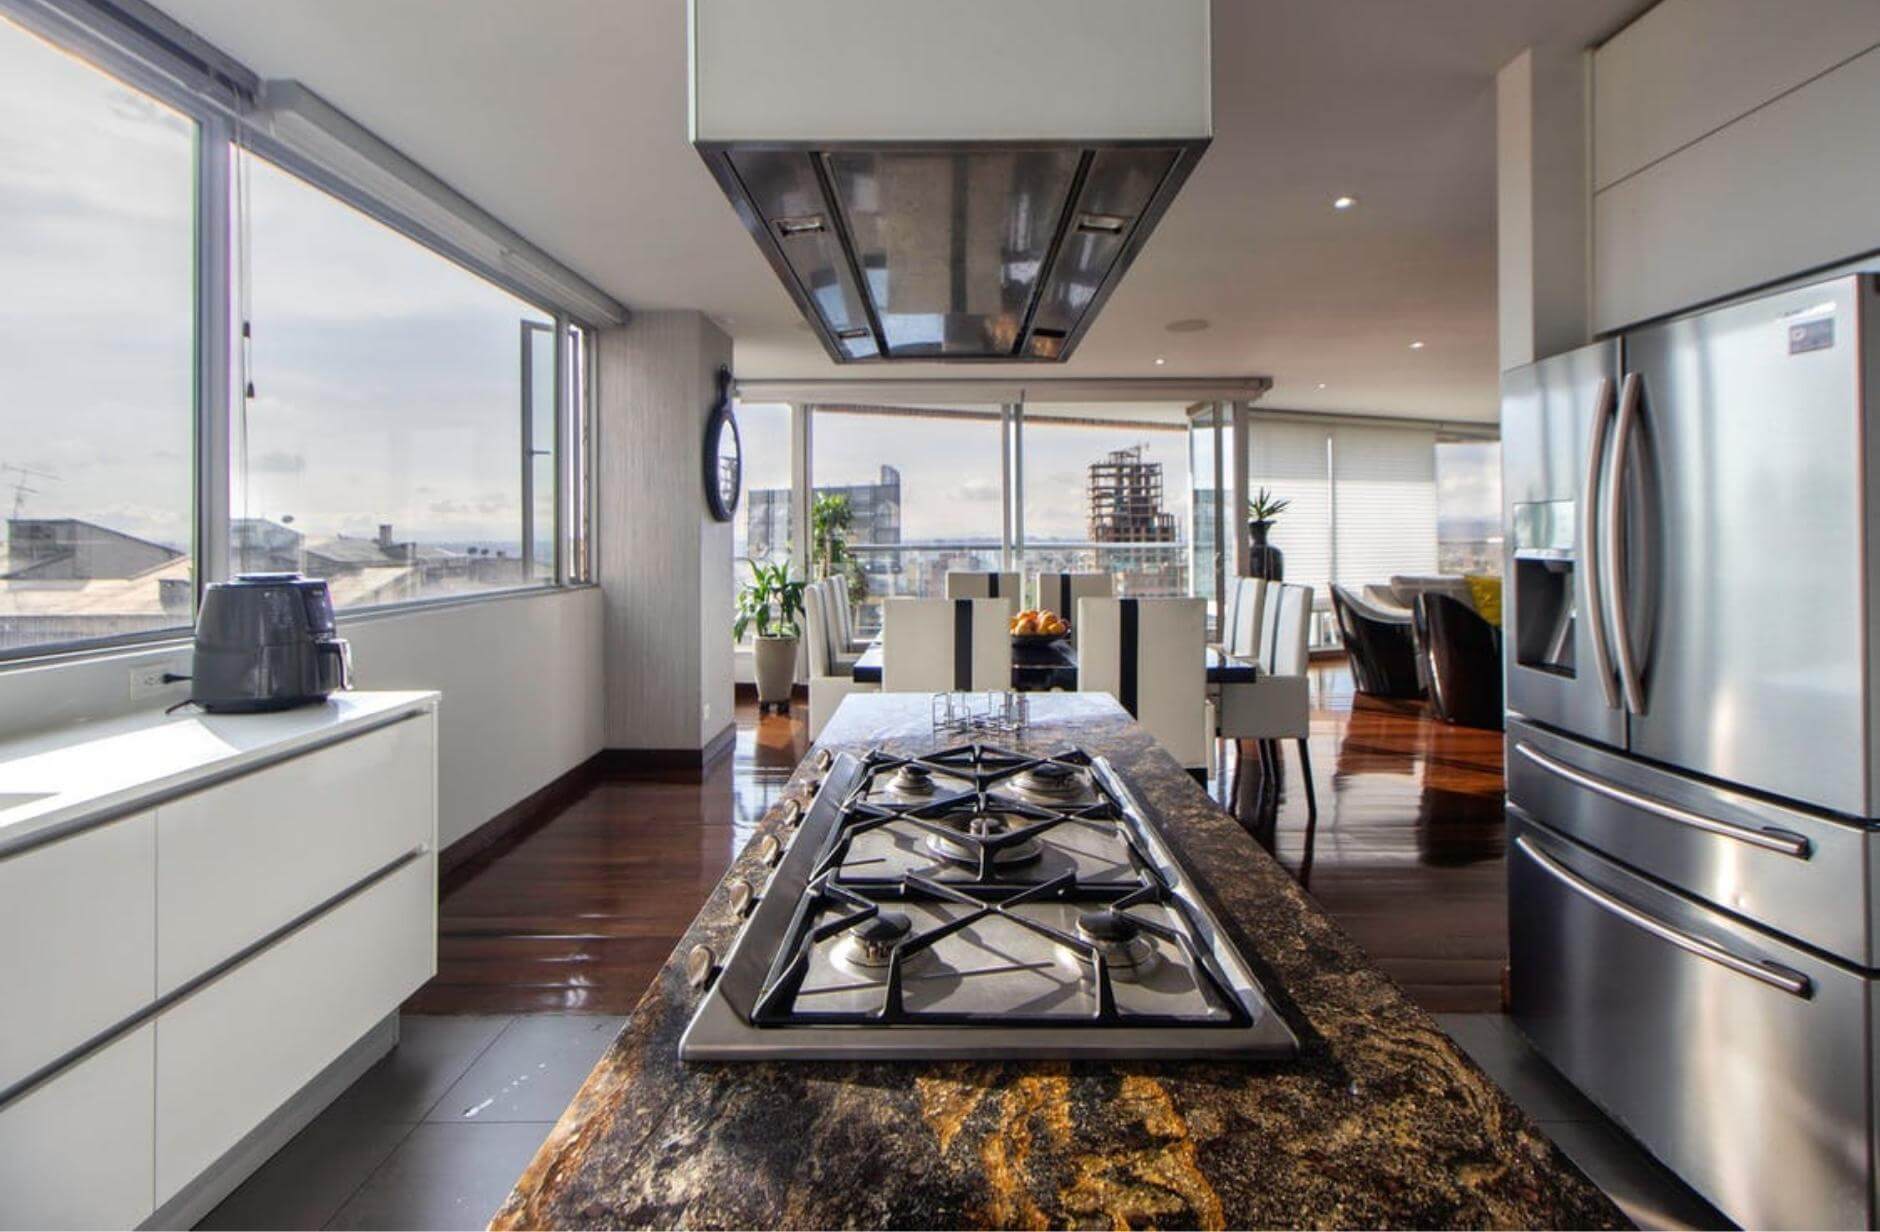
{"x": 1799, "y": 873}
{"x": 1737, "y": 1059}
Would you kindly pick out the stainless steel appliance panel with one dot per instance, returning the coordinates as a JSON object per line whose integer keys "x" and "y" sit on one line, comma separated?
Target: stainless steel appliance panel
{"x": 1751, "y": 627}
{"x": 951, "y": 242}
{"x": 1553, "y": 415}
{"x": 1799, "y": 873}
{"x": 1742, "y": 1062}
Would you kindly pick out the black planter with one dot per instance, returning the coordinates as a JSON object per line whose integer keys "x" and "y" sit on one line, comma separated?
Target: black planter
{"x": 1265, "y": 560}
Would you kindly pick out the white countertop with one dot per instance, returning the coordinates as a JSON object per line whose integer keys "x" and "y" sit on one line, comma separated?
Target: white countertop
{"x": 76, "y": 776}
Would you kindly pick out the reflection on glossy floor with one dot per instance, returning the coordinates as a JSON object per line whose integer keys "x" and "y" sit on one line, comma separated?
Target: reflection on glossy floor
{"x": 578, "y": 915}
{"x": 1406, "y": 854}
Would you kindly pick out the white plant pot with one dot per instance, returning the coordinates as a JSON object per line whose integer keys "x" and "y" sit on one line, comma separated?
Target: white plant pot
{"x": 775, "y": 661}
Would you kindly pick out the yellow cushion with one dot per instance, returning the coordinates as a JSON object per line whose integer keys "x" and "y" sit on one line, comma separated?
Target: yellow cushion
{"x": 1485, "y": 591}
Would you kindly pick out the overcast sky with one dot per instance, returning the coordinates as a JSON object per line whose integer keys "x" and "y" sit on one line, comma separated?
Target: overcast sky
{"x": 96, "y": 254}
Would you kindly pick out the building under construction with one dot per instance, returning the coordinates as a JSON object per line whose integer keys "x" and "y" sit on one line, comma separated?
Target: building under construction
{"x": 1126, "y": 500}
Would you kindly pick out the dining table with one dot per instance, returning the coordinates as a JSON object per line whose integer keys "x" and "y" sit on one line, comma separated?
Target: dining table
{"x": 1044, "y": 666}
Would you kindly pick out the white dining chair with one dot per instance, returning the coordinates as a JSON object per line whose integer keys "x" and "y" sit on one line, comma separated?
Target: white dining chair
{"x": 945, "y": 645}
{"x": 1150, "y": 654}
{"x": 1277, "y": 704}
{"x": 1059, "y": 592}
{"x": 1243, "y": 638}
{"x": 829, "y": 681}
{"x": 836, "y": 596}
{"x": 1227, "y": 617}
{"x": 972, "y": 584}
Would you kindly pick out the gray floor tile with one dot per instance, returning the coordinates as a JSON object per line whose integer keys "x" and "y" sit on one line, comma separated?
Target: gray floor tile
{"x": 531, "y": 1071}
{"x": 433, "y": 1052}
{"x": 445, "y": 1176}
{"x": 1649, "y": 1195}
{"x": 1493, "y": 1043}
{"x": 309, "y": 1179}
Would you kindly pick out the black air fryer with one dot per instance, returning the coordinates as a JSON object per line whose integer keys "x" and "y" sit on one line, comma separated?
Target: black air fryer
{"x": 266, "y": 641}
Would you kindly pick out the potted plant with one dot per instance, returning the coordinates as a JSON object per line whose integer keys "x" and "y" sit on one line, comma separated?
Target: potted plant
{"x": 772, "y": 601}
{"x": 1265, "y": 560}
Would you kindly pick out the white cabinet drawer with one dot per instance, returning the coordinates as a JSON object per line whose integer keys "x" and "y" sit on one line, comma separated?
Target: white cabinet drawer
{"x": 76, "y": 1151}
{"x": 234, "y": 1051}
{"x": 77, "y": 940}
{"x": 243, "y": 858}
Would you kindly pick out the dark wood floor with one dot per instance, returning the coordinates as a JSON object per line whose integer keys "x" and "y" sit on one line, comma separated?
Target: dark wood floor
{"x": 1406, "y": 854}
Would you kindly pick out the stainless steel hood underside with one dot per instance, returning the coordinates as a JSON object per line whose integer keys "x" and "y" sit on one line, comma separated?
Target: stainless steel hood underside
{"x": 991, "y": 252}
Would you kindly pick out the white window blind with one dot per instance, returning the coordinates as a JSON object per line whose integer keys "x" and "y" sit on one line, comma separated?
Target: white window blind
{"x": 1385, "y": 480}
{"x": 1363, "y": 501}
{"x": 1293, "y": 462}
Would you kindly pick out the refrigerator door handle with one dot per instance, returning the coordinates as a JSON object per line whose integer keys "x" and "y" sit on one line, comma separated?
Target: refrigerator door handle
{"x": 1779, "y": 841}
{"x": 1589, "y": 506}
{"x": 1773, "y": 974}
{"x": 1612, "y": 554}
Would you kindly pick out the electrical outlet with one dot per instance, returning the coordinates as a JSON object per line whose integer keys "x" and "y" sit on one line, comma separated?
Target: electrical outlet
{"x": 147, "y": 679}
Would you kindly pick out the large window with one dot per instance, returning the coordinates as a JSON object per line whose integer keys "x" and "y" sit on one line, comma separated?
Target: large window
{"x": 400, "y": 431}
{"x": 97, "y": 338}
{"x": 394, "y": 422}
{"x": 764, "y": 529}
{"x": 1108, "y": 494}
{"x": 903, "y": 496}
{"x": 1363, "y": 502}
{"x": 1468, "y": 507}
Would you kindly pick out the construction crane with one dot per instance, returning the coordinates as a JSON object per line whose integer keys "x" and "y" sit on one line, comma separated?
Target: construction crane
{"x": 22, "y": 483}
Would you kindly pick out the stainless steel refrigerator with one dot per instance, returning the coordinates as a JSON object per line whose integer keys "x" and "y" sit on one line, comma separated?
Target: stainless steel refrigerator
{"x": 1693, "y": 748}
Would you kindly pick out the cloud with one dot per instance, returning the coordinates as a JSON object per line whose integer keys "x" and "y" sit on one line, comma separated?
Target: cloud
{"x": 978, "y": 491}
{"x": 277, "y": 462}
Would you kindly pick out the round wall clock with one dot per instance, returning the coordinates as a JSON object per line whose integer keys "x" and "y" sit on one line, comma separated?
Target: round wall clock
{"x": 724, "y": 454}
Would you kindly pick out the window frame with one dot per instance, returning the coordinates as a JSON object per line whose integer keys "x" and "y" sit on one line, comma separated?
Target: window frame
{"x": 148, "y": 52}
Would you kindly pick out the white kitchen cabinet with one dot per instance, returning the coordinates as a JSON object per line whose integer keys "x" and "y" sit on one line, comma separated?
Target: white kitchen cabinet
{"x": 1790, "y": 187}
{"x": 233, "y": 1052}
{"x": 77, "y": 941}
{"x": 245, "y": 857}
{"x": 76, "y": 1151}
{"x": 1687, "y": 68}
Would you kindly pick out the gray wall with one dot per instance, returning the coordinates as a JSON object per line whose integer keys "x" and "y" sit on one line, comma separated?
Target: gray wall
{"x": 664, "y": 563}
{"x": 520, "y": 675}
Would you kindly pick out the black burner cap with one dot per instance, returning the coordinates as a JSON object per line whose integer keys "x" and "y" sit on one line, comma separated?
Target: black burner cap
{"x": 1052, "y": 772}
{"x": 883, "y": 928}
{"x": 912, "y": 771}
{"x": 1108, "y": 924}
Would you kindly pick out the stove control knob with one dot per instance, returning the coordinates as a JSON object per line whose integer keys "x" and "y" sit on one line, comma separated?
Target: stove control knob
{"x": 811, "y": 787}
{"x": 792, "y": 813}
{"x": 743, "y": 894}
{"x": 699, "y": 965}
{"x": 769, "y": 850}
{"x": 824, "y": 760}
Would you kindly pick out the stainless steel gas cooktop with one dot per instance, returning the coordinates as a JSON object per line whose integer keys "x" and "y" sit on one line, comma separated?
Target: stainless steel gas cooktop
{"x": 977, "y": 903}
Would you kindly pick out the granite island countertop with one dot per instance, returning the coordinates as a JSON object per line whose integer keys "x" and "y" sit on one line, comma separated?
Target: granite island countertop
{"x": 1379, "y": 1121}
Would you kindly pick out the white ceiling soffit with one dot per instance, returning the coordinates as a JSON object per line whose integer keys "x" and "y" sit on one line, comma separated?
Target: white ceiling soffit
{"x": 568, "y": 121}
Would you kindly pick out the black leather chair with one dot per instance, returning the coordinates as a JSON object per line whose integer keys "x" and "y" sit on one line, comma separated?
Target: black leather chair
{"x": 1381, "y": 646}
{"x": 1463, "y": 652}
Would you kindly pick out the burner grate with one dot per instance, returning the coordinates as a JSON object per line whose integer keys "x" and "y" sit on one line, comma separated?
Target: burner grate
{"x": 840, "y": 899}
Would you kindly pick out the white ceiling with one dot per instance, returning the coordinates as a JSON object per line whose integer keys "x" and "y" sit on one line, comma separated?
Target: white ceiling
{"x": 567, "y": 120}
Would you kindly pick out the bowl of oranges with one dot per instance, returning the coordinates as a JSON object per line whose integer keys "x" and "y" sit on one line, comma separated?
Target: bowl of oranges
{"x": 1034, "y": 627}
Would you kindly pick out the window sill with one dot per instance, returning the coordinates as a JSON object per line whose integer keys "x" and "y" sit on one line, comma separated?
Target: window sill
{"x": 166, "y": 641}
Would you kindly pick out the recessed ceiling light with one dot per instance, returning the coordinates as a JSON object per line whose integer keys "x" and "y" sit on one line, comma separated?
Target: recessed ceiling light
{"x": 1188, "y": 325}
{"x": 1343, "y": 203}
{"x": 1159, "y": 361}
{"x": 1417, "y": 345}
{"x": 1321, "y": 384}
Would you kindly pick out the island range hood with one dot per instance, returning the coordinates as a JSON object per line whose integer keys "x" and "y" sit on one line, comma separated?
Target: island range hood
{"x": 964, "y": 181}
